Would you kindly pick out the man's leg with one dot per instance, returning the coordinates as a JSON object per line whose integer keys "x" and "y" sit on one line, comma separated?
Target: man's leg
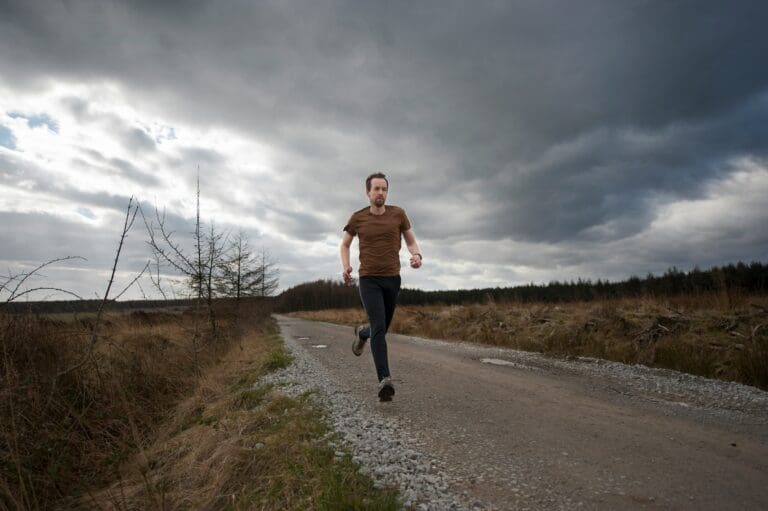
{"x": 391, "y": 289}
{"x": 390, "y": 286}
{"x": 372, "y": 295}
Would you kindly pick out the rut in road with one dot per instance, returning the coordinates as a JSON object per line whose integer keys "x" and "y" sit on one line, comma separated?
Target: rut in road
{"x": 516, "y": 430}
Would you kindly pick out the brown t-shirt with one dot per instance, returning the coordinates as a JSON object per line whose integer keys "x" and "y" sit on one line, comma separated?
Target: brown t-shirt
{"x": 379, "y": 239}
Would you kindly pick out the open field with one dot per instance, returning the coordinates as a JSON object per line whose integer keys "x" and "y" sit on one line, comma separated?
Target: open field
{"x": 709, "y": 335}
{"x": 156, "y": 411}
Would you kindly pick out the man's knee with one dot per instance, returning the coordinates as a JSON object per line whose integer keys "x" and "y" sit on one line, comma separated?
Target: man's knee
{"x": 378, "y": 327}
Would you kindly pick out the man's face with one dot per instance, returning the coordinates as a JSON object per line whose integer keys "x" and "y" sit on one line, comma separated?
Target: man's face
{"x": 378, "y": 192}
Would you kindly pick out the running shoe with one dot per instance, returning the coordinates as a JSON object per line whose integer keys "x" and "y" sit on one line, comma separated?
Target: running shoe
{"x": 359, "y": 343}
{"x": 386, "y": 389}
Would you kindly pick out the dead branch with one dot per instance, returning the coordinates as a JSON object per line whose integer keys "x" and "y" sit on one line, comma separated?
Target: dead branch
{"x": 22, "y": 277}
{"x": 130, "y": 216}
{"x": 143, "y": 294}
{"x": 157, "y": 283}
{"x": 129, "y": 219}
{"x": 180, "y": 262}
{"x": 132, "y": 282}
{"x": 45, "y": 288}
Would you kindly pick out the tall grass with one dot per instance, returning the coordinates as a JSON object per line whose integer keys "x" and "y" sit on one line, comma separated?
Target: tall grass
{"x": 65, "y": 430}
{"x": 237, "y": 443}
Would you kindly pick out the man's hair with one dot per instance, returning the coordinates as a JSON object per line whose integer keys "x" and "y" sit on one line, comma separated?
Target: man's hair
{"x": 377, "y": 175}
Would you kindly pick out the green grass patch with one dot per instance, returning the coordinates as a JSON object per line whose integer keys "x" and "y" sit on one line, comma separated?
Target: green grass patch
{"x": 278, "y": 359}
{"x": 246, "y": 380}
{"x": 251, "y": 398}
{"x": 298, "y": 471}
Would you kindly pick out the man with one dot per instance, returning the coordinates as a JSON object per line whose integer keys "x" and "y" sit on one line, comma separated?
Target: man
{"x": 378, "y": 228}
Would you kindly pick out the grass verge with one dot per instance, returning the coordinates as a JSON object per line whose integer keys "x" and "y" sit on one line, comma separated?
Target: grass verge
{"x": 237, "y": 444}
{"x": 160, "y": 413}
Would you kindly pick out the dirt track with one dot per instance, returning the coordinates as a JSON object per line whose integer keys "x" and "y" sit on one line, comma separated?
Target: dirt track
{"x": 535, "y": 434}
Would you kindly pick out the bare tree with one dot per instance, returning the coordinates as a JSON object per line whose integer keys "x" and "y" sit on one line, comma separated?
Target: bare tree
{"x": 240, "y": 274}
{"x": 269, "y": 271}
{"x": 214, "y": 251}
{"x": 198, "y": 269}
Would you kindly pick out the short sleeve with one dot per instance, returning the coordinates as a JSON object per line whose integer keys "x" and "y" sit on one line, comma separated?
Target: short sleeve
{"x": 350, "y": 227}
{"x": 405, "y": 224}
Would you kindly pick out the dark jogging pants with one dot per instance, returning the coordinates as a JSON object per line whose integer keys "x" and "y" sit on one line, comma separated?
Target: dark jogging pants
{"x": 379, "y": 295}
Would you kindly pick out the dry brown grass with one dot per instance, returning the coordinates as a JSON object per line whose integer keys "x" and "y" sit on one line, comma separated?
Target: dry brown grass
{"x": 233, "y": 445}
{"x": 196, "y": 448}
{"x": 718, "y": 335}
{"x": 139, "y": 427}
{"x": 62, "y": 432}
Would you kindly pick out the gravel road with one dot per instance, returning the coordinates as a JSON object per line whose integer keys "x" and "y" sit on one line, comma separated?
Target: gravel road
{"x": 475, "y": 427}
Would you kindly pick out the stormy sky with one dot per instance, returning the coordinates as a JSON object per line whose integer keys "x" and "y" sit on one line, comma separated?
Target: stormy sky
{"x": 527, "y": 141}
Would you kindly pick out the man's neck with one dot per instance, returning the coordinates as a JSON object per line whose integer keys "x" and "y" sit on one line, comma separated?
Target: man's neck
{"x": 376, "y": 210}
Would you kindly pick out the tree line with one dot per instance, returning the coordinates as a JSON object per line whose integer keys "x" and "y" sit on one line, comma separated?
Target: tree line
{"x": 747, "y": 278}
{"x": 320, "y": 294}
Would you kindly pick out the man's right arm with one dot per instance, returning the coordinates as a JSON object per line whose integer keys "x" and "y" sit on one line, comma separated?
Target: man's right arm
{"x": 346, "y": 242}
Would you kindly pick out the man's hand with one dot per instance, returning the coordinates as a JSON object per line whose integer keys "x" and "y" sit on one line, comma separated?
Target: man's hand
{"x": 413, "y": 248}
{"x": 347, "y": 274}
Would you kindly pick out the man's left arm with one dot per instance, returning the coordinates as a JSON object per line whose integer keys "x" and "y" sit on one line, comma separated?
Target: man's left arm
{"x": 413, "y": 248}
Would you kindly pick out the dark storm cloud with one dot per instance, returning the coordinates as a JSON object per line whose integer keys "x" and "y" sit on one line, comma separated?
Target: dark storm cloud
{"x": 545, "y": 122}
{"x": 494, "y": 87}
{"x": 616, "y": 176}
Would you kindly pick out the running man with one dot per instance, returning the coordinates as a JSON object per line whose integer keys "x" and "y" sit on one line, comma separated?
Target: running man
{"x": 378, "y": 228}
